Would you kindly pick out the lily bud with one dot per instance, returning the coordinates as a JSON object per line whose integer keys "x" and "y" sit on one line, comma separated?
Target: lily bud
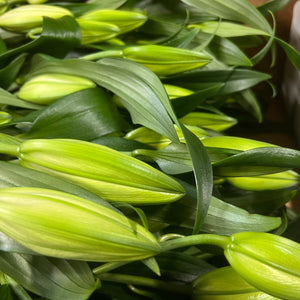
{"x": 174, "y": 91}
{"x": 26, "y": 17}
{"x": 165, "y": 60}
{"x": 62, "y": 225}
{"x": 5, "y": 117}
{"x": 225, "y": 283}
{"x": 45, "y": 89}
{"x": 158, "y": 141}
{"x": 269, "y": 262}
{"x": 108, "y": 173}
{"x": 94, "y": 32}
{"x": 124, "y": 20}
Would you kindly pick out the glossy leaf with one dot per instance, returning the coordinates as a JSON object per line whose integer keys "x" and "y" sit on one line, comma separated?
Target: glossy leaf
{"x": 49, "y": 277}
{"x": 84, "y": 115}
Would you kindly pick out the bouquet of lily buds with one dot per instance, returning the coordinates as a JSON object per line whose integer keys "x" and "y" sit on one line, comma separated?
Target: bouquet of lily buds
{"x": 120, "y": 175}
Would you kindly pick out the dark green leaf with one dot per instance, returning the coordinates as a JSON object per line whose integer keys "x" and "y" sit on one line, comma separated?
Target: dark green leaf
{"x": 259, "y": 161}
{"x": 234, "y": 80}
{"x": 9, "y": 99}
{"x": 235, "y": 10}
{"x": 58, "y": 37}
{"x": 84, "y": 115}
{"x": 9, "y": 73}
{"x": 6, "y": 292}
{"x": 273, "y": 6}
{"x": 291, "y": 52}
{"x": 222, "y": 218}
{"x": 49, "y": 277}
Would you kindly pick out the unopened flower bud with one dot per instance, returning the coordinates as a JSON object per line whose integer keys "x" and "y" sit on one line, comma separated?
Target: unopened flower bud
{"x": 29, "y": 16}
{"x": 108, "y": 173}
{"x": 269, "y": 262}
{"x": 223, "y": 284}
{"x": 124, "y": 20}
{"x": 46, "y": 88}
{"x": 62, "y": 225}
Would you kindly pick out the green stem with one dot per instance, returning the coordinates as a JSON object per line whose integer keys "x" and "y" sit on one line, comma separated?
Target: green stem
{"x": 108, "y": 267}
{"x": 144, "y": 281}
{"x": 102, "y": 54}
{"x": 197, "y": 239}
{"x": 10, "y": 149}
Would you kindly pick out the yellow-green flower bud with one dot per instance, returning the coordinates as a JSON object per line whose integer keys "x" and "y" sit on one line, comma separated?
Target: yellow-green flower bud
{"x": 158, "y": 141}
{"x": 29, "y": 16}
{"x": 174, "y": 91}
{"x": 94, "y": 32}
{"x": 269, "y": 262}
{"x": 46, "y": 88}
{"x": 62, "y": 225}
{"x": 124, "y": 20}
{"x": 223, "y": 284}
{"x": 236, "y": 143}
{"x": 108, "y": 173}
{"x": 209, "y": 120}
{"x": 5, "y": 117}
{"x": 165, "y": 60}
{"x": 274, "y": 181}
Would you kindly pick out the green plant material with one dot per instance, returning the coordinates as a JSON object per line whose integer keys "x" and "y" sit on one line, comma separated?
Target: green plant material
{"x": 124, "y": 20}
{"x": 58, "y": 37}
{"x": 227, "y": 29}
{"x": 5, "y": 117}
{"x": 26, "y": 17}
{"x": 162, "y": 60}
{"x": 223, "y": 283}
{"x": 50, "y": 277}
{"x": 6, "y": 292}
{"x": 95, "y": 32}
{"x": 110, "y": 174}
{"x": 255, "y": 256}
{"x": 156, "y": 140}
{"x": 99, "y": 233}
{"x": 233, "y": 80}
{"x": 176, "y": 91}
{"x": 215, "y": 122}
{"x": 221, "y": 217}
{"x": 237, "y": 10}
{"x": 84, "y": 115}
{"x": 274, "y": 181}
{"x": 45, "y": 89}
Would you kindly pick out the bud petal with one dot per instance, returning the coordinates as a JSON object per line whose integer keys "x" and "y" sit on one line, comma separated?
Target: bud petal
{"x": 94, "y": 32}
{"x": 225, "y": 283}
{"x": 176, "y": 91}
{"x": 269, "y": 262}
{"x": 45, "y": 89}
{"x": 62, "y": 225}
{"x": 124, "y": 20}
{"x": 158, "y": 141}
{"x": 26, "y": 17}
{"x": 165, "y": 60}
{"x": 108, "y": 173}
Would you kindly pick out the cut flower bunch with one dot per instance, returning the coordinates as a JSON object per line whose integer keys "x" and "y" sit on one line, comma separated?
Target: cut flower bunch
{"x": 120, "y": 177}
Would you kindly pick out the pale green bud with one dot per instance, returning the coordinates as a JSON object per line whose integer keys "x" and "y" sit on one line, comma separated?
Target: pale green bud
{"x": 269, "y": 262}
{"x": 223, "y": 284}
{"x": 165, "y": 60}
{"x": 62, "y": 225}
{"x": 26, "y": 17}
{"x": 5, "y": 117}
{"x": 274, "y": 181}
{"x": 209, "y": 120}
{"x": 46, "y": 88}
{"x": 236, "y": 143}
{"x": 108, "y": 173}
{"x": 174, "y": 91}
{"x": 124, "y": 20}
{"x": 152, "y": 138}
{"x": 94, "y": 32}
